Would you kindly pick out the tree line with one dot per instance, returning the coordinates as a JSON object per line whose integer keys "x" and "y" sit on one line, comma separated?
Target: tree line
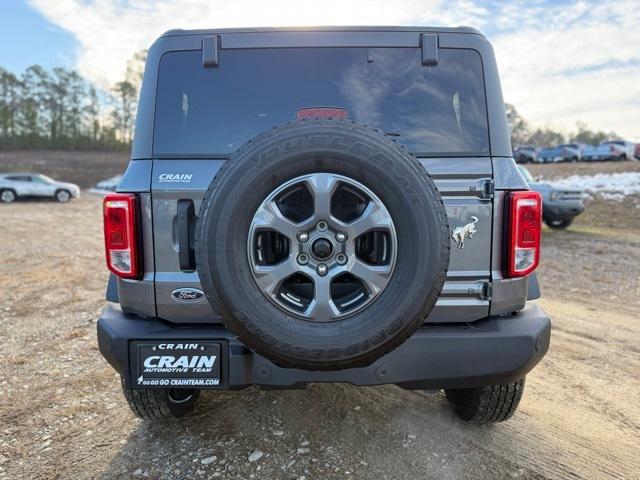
{"x": 59, "y": 109}
{"x": 522, "y": 133}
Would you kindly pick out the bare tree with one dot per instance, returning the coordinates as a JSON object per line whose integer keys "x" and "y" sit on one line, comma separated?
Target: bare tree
{"x": 124, "y": 111}
{"x": 9, "y": 97}
{"x": 518, "y": 127}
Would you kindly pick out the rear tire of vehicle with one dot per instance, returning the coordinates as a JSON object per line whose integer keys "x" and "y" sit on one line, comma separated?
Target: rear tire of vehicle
{"x": 558, "y": 224}
{"x": 622, "y": 158}
{"x": 341, "y": 148}
{"x": 7, "y": 196}
{"x": 495, "y": 403}
{"x": 63, "y": 196}
{"x": 165, "y": 404}
{"x": 574, "y": 159}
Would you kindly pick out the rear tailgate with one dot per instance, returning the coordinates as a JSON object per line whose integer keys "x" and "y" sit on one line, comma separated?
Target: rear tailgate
{"x": 464, "y": 183}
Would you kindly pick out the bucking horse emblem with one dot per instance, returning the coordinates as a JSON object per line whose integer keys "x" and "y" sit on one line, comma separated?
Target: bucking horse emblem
{"x": 468, "y": 230}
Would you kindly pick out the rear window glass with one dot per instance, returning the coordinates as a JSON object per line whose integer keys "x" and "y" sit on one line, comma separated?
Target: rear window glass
{"x": 213, "y": 111}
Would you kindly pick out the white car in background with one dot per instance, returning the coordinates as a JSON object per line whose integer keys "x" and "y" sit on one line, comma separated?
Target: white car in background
{"x": 109, "y": 184}
{"x": 15, "y": 185}
{"x": 617, "y": 150}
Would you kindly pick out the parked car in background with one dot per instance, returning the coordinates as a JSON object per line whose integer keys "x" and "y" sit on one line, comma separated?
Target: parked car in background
{"x": 109, "y": 184}
{"x": 636, "y": 152}
{"x": 560, "y": 153}
{"x": 559, "y": 206}
{"x": 576, "y": 146}
{"x": 525, "y": 154}
{"x": 617, "y": 150}
{"x": 15, "y": 185}
{"x": 629, "y": 147}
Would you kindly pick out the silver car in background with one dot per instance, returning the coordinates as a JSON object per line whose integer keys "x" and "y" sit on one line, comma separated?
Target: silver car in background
{"x": 109, "y": 184}
{"x": 559, "y": 206}
{"x": 15, "y": 185}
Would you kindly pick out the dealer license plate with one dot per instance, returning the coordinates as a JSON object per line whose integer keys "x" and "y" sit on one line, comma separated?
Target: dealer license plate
{"x": 176, "y": 364}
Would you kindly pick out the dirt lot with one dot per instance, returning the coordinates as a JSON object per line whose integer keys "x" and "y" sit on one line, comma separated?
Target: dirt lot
{"x": 63, "y": 416}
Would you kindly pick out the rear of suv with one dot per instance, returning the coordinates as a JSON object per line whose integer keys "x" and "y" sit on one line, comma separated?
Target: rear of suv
{"x": 327, "y": 205}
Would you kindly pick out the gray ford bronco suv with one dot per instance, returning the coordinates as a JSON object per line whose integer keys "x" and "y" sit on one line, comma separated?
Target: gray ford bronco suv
{"x": 322, "y": 205}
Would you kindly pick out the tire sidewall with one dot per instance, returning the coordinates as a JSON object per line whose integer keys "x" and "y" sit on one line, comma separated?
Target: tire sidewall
{"x": 63, "y": 199}
{"x": 13, "y": 198}
{"x": 391, "y": 174}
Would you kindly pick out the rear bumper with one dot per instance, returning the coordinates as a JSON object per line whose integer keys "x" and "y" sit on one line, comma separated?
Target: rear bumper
{"x": 490, "y": 351}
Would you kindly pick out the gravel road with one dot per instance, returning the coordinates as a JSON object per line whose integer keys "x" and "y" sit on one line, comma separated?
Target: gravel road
{"x": 63, "y": 416}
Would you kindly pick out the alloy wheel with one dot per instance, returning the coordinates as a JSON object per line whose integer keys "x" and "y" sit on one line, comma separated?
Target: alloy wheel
{"x": 322, "y": 247}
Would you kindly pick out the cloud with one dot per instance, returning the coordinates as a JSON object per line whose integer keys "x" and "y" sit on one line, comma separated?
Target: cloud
{"x": 559, "y": 61}
{"x": 580, "y": 62}
{"x": 110, "y": 31}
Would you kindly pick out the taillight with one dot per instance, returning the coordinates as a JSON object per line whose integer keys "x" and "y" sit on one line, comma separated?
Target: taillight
{"x": 321, "y": 112}
{"x": 525, "y": 226}
{"x": 120, "y": 235}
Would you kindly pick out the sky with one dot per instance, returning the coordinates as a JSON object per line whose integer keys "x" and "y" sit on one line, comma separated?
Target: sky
{"x": 559, "y": 61}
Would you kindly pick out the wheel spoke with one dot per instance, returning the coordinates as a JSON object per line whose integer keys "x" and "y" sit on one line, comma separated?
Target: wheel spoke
{"x": 269, "y": 216}
{"x": 322, "y": 308}
{"x": 322, "y": 187}
{"x": 270, "y": 277}
{"x": 374, "y": 277}
{"x": 373, "y": 217}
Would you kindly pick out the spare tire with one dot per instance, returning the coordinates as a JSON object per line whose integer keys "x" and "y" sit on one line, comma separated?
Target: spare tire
{"x": 323, "y": 244}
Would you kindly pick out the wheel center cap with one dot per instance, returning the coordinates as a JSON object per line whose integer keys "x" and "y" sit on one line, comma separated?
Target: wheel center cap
{"x": 322, "y": 248}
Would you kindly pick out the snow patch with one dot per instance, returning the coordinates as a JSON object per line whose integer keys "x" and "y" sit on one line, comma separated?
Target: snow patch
{"x": 611, "y": 186}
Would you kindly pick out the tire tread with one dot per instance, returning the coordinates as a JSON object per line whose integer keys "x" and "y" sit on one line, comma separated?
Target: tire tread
{"x": 490, "y": 404}
{"x": 154, "y": 404}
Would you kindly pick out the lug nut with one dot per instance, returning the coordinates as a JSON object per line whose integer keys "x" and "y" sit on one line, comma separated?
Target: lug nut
{"x": 341, "y": 237}
{"x": 322, "y": 225}
{"x": 303, "y": 237}
{"x": 341, "y": 258}
{"x": 322, "y": 269}
{"x": 303, "y": 259}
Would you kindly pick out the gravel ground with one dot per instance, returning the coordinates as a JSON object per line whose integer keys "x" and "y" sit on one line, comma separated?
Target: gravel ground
{"x": 63, "y": 415}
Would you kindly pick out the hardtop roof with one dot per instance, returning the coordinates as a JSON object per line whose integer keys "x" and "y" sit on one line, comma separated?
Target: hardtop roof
{"x": 373, "y": 29}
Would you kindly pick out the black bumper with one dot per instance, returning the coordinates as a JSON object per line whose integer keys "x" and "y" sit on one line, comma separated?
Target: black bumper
{"x": 490, "y": 351}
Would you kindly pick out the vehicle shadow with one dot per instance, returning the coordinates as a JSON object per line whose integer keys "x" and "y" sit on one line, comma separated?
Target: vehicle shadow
{"x": 323, "y": 432}
{"x": 29, "y": 200}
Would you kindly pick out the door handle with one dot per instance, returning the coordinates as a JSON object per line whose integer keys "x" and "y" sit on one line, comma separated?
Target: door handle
{"x": 186, "y": 227}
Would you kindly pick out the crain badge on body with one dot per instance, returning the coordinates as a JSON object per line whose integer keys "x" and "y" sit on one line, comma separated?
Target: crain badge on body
{"x": 175, "y": 178}
{"x": 187, "y": 294}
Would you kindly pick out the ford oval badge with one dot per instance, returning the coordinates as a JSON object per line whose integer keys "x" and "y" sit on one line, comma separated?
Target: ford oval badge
{"x": 187, "y": 294}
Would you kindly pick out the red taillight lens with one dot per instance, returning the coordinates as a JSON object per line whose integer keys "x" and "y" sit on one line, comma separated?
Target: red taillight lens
{"x": 120, "y": 237}
{"x": 525, "y": 226}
